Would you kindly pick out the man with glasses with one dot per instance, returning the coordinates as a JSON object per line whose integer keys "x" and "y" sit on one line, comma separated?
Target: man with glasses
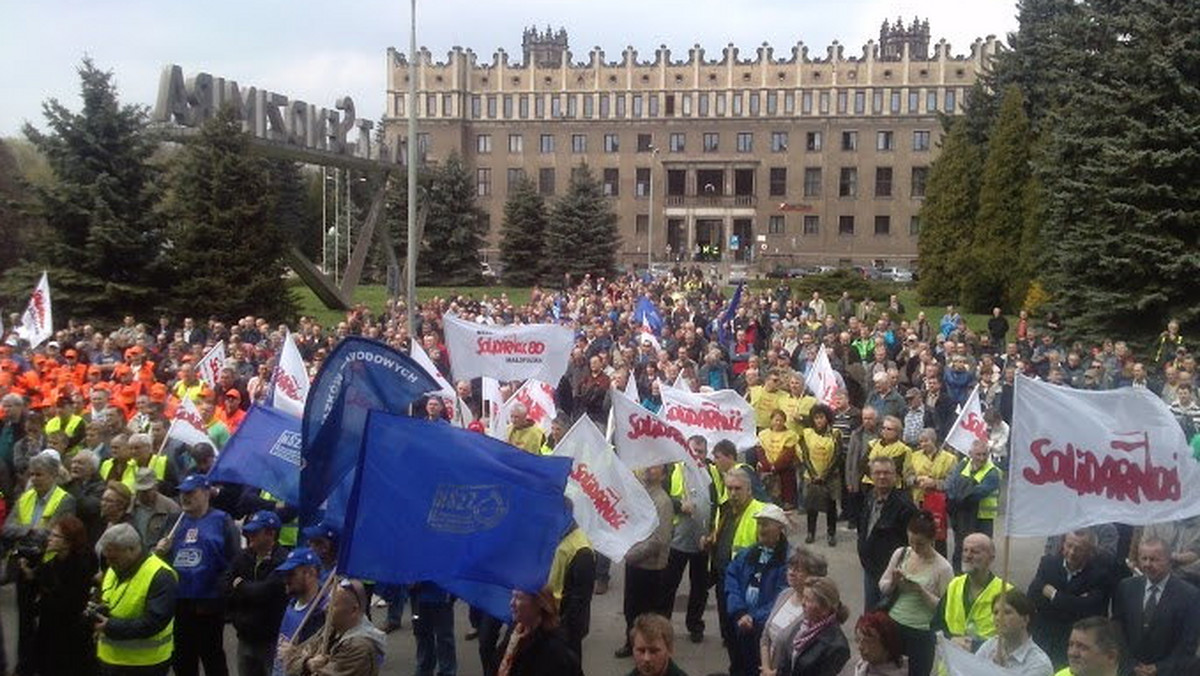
{"x": 882, "y": 524}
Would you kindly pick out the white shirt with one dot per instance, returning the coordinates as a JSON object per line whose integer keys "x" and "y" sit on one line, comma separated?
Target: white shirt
{"x": 1027, "y": 660}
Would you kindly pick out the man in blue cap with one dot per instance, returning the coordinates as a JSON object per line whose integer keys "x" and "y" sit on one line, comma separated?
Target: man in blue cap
{"x": 200, "y": 549}
{"x": 301, "y": 572}
{"x": 256, "y": 596}
{"x": 323, "y": 540}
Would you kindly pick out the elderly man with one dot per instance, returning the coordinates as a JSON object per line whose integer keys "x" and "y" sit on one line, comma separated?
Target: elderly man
{"x": 1069, "y": 586}
{"x": 12, "y": 430}
{"x": 136, "y": 638}
{"x": 87, "y": 488}
{"x": 153, "y": 513}
{"x": 753, "y": 580}
{"x": 882, "y": 525}
{"x": 736, "y": 529}
{"x": 885, "y": 399}
{"x": 348, "y": 644}
{"x": 965, "y": 611}
{"x": 973, "y": 488}
{"x": 1159, "y": 614}
{"x": 523, "y": 432}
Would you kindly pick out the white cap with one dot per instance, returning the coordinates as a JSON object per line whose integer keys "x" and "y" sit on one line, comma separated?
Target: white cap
{"x": 774, "y": 513}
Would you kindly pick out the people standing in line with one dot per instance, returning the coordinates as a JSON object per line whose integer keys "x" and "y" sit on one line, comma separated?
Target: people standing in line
{"x": 857, "y": 449}
{"x": 736, "y": 530}
{"x": 646, "y": 562}
{"x": 820, "y": 469}
{"x": 973, "y": 489}
{"x": 1078, "y": 582}
{"x": 694, "y": 508}
{"x": 882, "y": 526}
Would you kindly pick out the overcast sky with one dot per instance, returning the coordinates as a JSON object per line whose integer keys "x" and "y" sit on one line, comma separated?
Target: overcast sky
{"x": 317, "y": 51}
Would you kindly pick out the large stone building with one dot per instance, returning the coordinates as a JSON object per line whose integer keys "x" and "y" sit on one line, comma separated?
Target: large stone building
{"x": 796, "y": 160}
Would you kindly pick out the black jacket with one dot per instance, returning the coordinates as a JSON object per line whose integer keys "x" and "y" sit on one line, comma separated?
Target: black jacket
{"x": 1169, "y": 641}
{"x": 890, "y": 533}
{"x": 545, "y": 653}
{"x": 824, "y": 656}
{"x": 256, "y": 604}
{"x": 1087, "y": 594}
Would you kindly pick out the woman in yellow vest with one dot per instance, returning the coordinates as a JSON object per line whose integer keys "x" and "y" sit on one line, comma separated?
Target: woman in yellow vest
{"x": 137, "y": 635}
{"x": 765, "y": 398}
{"x": 797, "y": 404}
{"x": 931, "y": 466}
{"x": 778, "y": 460}
{"x": 819, "y": 464}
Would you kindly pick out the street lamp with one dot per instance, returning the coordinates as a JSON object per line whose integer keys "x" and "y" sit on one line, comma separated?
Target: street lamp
{"x": 650, "y": 220}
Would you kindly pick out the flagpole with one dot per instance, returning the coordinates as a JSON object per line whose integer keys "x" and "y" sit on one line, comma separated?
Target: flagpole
{"x": 312, "y": 605}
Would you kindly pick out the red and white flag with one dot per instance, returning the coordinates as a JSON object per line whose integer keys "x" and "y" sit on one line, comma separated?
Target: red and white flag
{"x": 212, "y": 363}
{"x": 508, "y": 352}
{"x": 537, "y": 398}
{"x": 647, "y": 335}
{"x": 290, "y": 382}
{"x": 37, "y": 324}
{"x": 643, "y": 439}
{"x": 822, "y": 381}
{"x": 609, "y": 503}
{"x": 1083, "y": 457}
{"x": 445, "y": 389}
{"x": 187, "y": 425}
{"x": 715, "y": 416}
{"x": 969, "y": 426}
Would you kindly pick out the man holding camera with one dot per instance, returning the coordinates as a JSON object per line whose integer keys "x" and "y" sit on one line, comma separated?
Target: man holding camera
{"x": 135, "y": 625}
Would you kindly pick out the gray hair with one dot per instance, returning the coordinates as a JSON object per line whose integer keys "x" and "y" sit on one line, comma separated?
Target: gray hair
{"x": 88, "y": 457}
{"x": 45, "y": 462}
{"x": 928, "y": 433}
{"x": 12, "y": 398}
{"x": 140, "y": 438}
{"x": 738, "y": 473}
{"x": 812, "y": 563}
{"x": 122, "y": 536}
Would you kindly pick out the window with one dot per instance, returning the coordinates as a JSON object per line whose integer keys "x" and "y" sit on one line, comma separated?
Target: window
{"x": 612, "y": 182}
{"x": 589, "y": 106}
{"x": 508, "y": 107}
{"x": 620, "y": 112}
{"x": 914, "y": 226}
{"x": 884, "y": 141}
{"x": 812, "y": 181}
{"x": 572, "y": 105}
{"x": 652, "y": 105}
{"x": 883, "y": 225}
{"x": 914, "y": 100}
{"x": 539, "y": 106}
{"x": 702, "y": 105}
{"x": 491, "y": 107}
{"x": 919, "y": 176}
{"x": 745, "y": 142}
{"x": 920, "y": 140}
{"x": 476, "y": 107}
{"x": 778, "y": 181}
{"x": 677, "y": 142}
{"x": 779, "y": 141}
{"x": 546, "y": 181}
{"x": 931, "y": 105}
{"x": 895, "y": 98}
{"x": 483, "y": 182}
{"x": 846, "y": 225}
{"x": 806, "y": 103}
{"x": 772, "y": 103}
{"x": 686, "y": 105}
{"x": 849, "y": 140}
{"x": 877, "y": 101}
{"x": 612, "y": 143}
{"x": 603, "y": 106}
{"x": 546, "y": 143}
{"x": 841, "y": 103}
{"x": 637, "y": 105}
{"x": 950, "y": 100}
{"x": 860, "y": 102}
{"x": 812, "y": 225}
{"x": 483, "y": 143}
{"x": 848, "y": 182}
{"x": 424, "y": 143}
{"x": 712, "y": 142}
{"x": 720, "y": 98}
{"x": 812, "y": 141}
{"x": 777, "y": 225}
{"x": 523, "y": 106}
{"x": 669, "y": 105}
{"x": 642, "y": 224}
{"x": 579, "y": 143}
{"x": 789, "y": 103}
{"x": 738, "y": 100}
{"x": 448, "y": 103}
{"x": 883, "y": 181}
{"x": 515, "y": 176}
{"x": 555, "y": 107}
{"x": 516, "y": 143}
{"x": 755, "y": 102}
{"x": 430, "y": 105}
{"x": 641, "y": 182}
{"x": 645, "y": 143}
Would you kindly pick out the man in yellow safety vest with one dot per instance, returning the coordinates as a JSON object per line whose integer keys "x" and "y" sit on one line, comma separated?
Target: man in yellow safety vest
{"x": 965, "y": 612}
{"x": 135, "y": 627}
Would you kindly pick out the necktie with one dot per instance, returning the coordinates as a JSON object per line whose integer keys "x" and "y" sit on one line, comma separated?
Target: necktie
{"x": 1150, "y": 607}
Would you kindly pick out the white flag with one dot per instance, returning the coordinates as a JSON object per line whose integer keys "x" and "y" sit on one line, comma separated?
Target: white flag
{"x": 969, "y": 426}
{"x": 647, "y": 334}
{"x": 715, "y": 416}
{"x": 1082, "y": 457}
{"x": 643, "y": 439}
{"x": 508, "y": 353}
{"x": 631, "y": 388}
{"x": 490, "y": 394}
{"x": 212, "y": 363}
{"x": 290, "y": 382}
{"x": 681, "y": 383}
{"x": 821, "y": 380}
{"x": 445, "y": 389}
{"x": 959, "y": 662}
{"x": 187, "y": 425}
{"x": 538, "y": 399}
{"x": 37, "y": 324}
{"x": 609, "y": 503}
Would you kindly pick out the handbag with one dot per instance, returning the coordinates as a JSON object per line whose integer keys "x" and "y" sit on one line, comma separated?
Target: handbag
{"x": 886, "y": 601}
{"x": 935, "y": 503}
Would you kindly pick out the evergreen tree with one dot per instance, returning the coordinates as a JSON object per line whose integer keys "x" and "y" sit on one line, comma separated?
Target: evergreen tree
{"x": 18, "y": 228}
{"x": 226, "y": 245}
{"x": 293, "y": 206}
{"x": 523, "y": 235}
{"x": 449, "y": 254}
{"x": 948, "y": 214}
{"x": 991, "y": 258}
{"x": 103, "y": 242}
{"x": 582, "y": 237}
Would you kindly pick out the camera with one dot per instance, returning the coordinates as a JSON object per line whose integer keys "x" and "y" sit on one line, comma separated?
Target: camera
{"x": 31, "y": 547}
{"x": 94, "y": 612}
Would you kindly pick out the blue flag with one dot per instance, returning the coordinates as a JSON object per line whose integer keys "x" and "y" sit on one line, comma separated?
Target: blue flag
{"x": 725, "y": 333}
{"x": 263, "y": 453}
{"x": 360, "y": 375}
{"x": 646, "y": 314}
{"x": 438, "y": 503}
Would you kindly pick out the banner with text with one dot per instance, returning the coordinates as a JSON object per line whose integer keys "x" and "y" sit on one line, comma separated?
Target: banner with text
{"x": 508, "y": 353}
{"x": 643, "y": 439}
{"x": 537, "y": 398}
{"x": 715, "y": 416}
{"x": 210, "y": 366}
{"x": 37, "y": 324}
{"x": 970, "y": 425}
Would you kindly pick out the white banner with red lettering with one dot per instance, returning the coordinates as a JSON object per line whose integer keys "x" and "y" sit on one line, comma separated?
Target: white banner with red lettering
{"x": 537, "y": 398}
{"x": 969, "y": 426}
{"x": 508, "y": 353}
{"x": 609, "y": 503}
{"x": 290, "y": 382}
{"x": 187, "y": 425}
{"x": 821, "y": 380}
{"x": 419, "y": 355}
{"x": 1082, "y": 457}
{"x": 724, "y": 414}
{"x": 210, "y": 366}
{"x": 37, "y": 324}
{"x": 643, "y": 439}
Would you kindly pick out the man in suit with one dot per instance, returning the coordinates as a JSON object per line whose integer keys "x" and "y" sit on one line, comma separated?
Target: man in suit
{"x": 882, "y": 525}
{"x": 1068, "y": 587}
{"x": 1159, "y": 614}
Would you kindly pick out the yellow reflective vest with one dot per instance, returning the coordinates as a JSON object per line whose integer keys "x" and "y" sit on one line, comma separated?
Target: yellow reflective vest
{"x": 991, "y": 504}
{"x": 571, "y": 544}
{"x": 745, "y": 532}
{"x": 26, "y": 503}
{"x": 158, "y": 463}
{"x": 125, "y": 600}
{"x": 978, "y": 622}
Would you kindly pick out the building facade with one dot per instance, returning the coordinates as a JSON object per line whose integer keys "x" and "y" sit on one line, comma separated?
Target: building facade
{"x": 770, "y": 161}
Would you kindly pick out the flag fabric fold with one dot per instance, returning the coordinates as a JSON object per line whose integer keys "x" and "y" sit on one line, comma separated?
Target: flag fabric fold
{"x": 537, "y": 398}
{"x": 264, "y": 453}
{"x": 714, "y": 415}
{"x": 290, "y": 382}
{"x": 821, "y": 380}
{"x": 959, "y": 662}
{"x": 725, "y": 332}
{"x": 444, "y": 388}
{"x": 211, "y": 364}
{"x": 37, "y": 324}
{"x": 969, "y": 426}
{"x": 187, "y": 425}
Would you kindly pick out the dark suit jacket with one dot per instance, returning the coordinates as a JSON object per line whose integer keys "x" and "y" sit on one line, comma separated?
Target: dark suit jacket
{"x": 1170, "y": 639}
{"x": 1087, "y": 594}
{"x": 890, "y": 533}
{"x": 824, "y": 656}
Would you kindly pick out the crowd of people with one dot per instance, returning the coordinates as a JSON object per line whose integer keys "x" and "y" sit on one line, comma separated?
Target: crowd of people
{"x": 127, "y": 559}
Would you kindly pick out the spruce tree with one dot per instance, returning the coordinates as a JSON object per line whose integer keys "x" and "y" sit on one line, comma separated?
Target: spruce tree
{"x": 103, "y": 243}
{"x": 226, "y": 246}
{"x": 523, "y": 235}
{"x": 453, "y": 230}
{"x": 582, "y": 237}
{"x": 948, "y": 214}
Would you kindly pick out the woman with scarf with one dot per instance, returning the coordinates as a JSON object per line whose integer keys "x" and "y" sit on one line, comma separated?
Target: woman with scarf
{"x": 818, "y": 647}
{"x": 534, "y": 645}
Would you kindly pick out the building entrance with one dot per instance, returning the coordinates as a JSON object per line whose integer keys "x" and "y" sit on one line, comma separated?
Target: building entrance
{"x": 710, "y": 239}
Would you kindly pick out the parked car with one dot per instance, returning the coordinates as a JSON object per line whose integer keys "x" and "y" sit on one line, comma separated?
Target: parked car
{"x": 897, "y": 274}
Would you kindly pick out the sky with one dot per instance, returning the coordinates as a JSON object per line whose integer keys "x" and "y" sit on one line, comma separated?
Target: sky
{"x": 320, "y": 51}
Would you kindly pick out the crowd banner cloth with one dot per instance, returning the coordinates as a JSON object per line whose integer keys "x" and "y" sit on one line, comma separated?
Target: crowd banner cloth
{"x": 723, "y": 414}
{"x": 444, "y": 388}
{"x": 290, "y": 381}
{"x": 264, "y": 453}
{"x": 538, "y": 351}
{"x": 360, "y": 375}
{"x": 959, "y": 662}
{"x": 610, "y": 505}
{"x": 821, "y": 380}
{"x": 1082, "y": 457}
{"x": 37, "y": 324}
{"x": 969, "y": 426}
{"x": 643, "y": 439}
{"x": 188, "y": 426}
{"x": 537, "y": 398}
{"x": 725, "y": 332}
{"x": 211, "y": 364}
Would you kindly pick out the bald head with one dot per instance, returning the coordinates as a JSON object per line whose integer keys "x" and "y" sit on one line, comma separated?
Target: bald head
{"x": 978, "y": 553}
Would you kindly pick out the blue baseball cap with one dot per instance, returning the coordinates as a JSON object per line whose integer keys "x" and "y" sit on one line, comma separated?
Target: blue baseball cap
{"x": 192, "y": 482}
{"x": 262, "y": 519}
{"x": 300, "y": 556}
{"x": 322, "y": 530}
